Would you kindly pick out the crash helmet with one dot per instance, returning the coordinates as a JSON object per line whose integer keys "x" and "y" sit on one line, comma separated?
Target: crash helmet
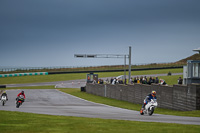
{"x": 22, "y": 92}
{"x": 4, "y": 91}
{"x": 153, "y": 93}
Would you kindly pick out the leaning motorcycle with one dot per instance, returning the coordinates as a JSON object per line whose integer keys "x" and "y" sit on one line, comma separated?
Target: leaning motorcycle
{"x": 19, "y": 101}
{"x": 150, "y": 107}
{"x": 3, "y": 100}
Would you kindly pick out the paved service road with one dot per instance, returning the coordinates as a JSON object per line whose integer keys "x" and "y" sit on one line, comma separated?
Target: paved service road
{"x": 55, "y": 102}
{"x": 59, "y": 84}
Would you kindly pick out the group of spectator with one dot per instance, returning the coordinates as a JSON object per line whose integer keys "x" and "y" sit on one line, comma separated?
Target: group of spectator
{"x": 116, "y": 81}
{"x": 111, "y": 81}
{"x": 138, "y": 80}
{"x": 145, "y": 80}
{"x": 100, "y": 81}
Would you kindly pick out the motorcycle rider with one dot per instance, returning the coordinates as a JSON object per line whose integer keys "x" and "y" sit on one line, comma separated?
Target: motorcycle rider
{"x": 148, "y": 98}
{"x": 4, "y": 94}
{"x": 21, "y": 93}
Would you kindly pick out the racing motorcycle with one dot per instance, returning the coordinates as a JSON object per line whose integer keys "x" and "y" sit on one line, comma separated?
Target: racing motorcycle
{"x": 3, "y": 100}
{"x": 150, "y": 107}
{"x": 19, "y": 101}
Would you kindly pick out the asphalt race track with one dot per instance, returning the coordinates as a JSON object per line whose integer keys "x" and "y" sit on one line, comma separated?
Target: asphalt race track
{"x": 55, "y": 102}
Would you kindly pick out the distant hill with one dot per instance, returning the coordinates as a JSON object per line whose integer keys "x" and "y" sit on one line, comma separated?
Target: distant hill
{"x": 193, "y": 57}
{"x": 113, "y": 68}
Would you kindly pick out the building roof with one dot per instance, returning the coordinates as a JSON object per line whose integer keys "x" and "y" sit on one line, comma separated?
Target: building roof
{"x": 197, "y": 50}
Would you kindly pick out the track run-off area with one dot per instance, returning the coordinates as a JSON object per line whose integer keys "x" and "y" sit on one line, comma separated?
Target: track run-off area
{"x": 55, "y": 102}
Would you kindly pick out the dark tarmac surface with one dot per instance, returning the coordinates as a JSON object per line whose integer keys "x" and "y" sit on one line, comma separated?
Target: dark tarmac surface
{"x": 55, "y": 102}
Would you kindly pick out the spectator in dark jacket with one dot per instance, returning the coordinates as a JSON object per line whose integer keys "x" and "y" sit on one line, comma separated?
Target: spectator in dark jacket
{"x": 153, "y": 80}
{"x": 135, "y": 80}
{"x": 150, "y": 81}
{"x": 180, "y": 80}
{"x": 144, "y": 80}
{"x": 111, "y": 80}
{"x": 156, "y": 80}
{"x": 141, "y": 79}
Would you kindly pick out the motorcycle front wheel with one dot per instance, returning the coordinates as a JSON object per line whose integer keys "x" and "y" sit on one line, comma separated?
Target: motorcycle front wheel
{"x": 3, "y": 103}
{"x": 151, "y": 111}
{"x": 17, "y": 105}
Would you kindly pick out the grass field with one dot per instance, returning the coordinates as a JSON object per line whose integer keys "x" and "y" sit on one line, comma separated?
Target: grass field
{"x": 13, "y": 122}
{"x": 64, "y": 77}
{"x": 96, "y": 68}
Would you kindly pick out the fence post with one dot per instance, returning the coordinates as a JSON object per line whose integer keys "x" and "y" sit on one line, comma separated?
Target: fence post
{"x": 105, "y": 90}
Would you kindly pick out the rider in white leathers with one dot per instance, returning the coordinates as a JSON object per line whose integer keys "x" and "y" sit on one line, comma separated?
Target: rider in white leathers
{"x": 147, "y": 99}
{"x": 4, "y": 94}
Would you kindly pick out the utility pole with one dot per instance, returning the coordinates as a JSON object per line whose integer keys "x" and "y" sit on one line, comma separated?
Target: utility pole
{"x": 129, "y": 74}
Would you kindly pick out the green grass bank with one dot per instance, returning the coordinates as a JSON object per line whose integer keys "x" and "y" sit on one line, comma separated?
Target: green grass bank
{"x": 13, "y": 122}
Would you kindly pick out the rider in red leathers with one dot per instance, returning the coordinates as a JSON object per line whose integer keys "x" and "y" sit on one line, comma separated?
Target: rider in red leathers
{"x": 21, "y": 93}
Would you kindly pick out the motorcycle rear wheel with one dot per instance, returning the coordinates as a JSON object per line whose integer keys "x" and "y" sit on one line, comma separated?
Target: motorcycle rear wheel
{"x": 141, "y": 112}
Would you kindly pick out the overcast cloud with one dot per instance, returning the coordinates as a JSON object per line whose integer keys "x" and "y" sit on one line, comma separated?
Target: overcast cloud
{"x": 50, "y": 32}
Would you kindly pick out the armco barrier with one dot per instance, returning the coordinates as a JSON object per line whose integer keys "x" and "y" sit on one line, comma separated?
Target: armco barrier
{"x": 176, "y": 97}
{"x": 23, "y": 74}
{"x": 2, "y": 86}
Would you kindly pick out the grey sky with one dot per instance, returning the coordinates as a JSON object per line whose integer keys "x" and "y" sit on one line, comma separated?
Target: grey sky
{"x": 50, "y": 32}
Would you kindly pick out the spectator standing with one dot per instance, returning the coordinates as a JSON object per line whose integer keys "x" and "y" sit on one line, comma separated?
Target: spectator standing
{"x": 107, "y": 81}
{"x": 125, "y": 81}
{"x": 111, "y": 80}
{"x": 117, "y": 81}
{"x": 144, "y": 81}
{"x": 131, "y": 80}
{"x": 156, "y": 80}
{"x": 94, "y": 82}
{"x": 121, "y": 81}
{"x": 138, "y": 80}
{"x": 135, "y": 80}
{"x": 141, "y": 79}
{"x": 101, "y": 81}
{"x": 180, "y": 81}
{"x": 162, "y": 82}
{"x": 150, "y": 80}
{"x": 153, "y": 80}
{"x": 114, "y": 81}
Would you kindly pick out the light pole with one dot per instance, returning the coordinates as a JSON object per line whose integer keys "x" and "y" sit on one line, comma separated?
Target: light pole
{"x": 110, "y": 56}
{"x": 129, "y": 73}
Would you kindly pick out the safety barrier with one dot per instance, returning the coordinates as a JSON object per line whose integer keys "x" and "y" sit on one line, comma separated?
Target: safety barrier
{"x": 23, "y": 74}
{"x": 176, "y": 97}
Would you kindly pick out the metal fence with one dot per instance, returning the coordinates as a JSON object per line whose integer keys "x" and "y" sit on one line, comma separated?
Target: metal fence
{"x": 84, "y": 68}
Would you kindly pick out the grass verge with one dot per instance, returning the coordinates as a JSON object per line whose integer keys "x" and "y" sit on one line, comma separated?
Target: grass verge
{"x": 13, "y": 122}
